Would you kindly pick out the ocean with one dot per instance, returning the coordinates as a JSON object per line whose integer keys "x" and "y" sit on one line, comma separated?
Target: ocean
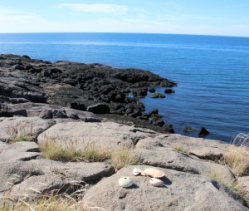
{"x": 212, "y": 72}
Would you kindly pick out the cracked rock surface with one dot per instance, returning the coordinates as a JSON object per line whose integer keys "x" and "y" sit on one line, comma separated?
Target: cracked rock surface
{"x": 189, "y": 183}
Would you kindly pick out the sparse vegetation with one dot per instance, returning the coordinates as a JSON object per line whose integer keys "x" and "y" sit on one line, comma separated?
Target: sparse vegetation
{"x": 51, "y": 203}
{"x": 214, "y": 176}
{"x": 237, "y": 156}
{"x": 21, "y": 138}
{"x": 230, "y": 185}
{"x": 18, "y": 133}
{"x": 180, "y": 149}
{"x": 123, "y": 157}
{"x": 89, "y": 152}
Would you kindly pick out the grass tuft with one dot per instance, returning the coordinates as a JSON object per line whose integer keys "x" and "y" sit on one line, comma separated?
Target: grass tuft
{"x": 216, "y": 177}
{"x": 51, "y": 203}
{"x": 180, "y": 149}
{"x": 237, "y": 155}
{"x": 89, "y": 153}
{"x": 123, "y": 157}
{"x": 19, "y": 133}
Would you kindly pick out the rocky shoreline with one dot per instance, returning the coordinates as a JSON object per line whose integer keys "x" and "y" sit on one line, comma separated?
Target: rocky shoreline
{"x": 96, "y": 88}
{"x": 70, "y": 105}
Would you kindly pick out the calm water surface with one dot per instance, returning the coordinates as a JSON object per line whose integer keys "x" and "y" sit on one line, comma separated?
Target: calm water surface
{"x": 212, "y": 72}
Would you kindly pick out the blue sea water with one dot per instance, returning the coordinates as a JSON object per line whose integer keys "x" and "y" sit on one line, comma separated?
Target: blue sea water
{"x": 212, "y": 72}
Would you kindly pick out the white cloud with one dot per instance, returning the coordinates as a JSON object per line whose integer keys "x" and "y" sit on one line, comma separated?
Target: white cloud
{"x": 96, "y": 8}
{"x": 12, "y": 20}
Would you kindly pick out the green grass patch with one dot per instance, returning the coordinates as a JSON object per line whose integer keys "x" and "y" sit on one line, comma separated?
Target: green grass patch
{"x": 180, "y": 149}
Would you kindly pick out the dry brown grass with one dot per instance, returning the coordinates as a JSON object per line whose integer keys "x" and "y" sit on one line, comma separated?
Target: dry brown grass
{"x": 237, "y": 155}
{"x": 123, "y": 157}
{"x": 18, "y": 133}
{"x": 51, "y": 203}
{"x": 89, "y": 152}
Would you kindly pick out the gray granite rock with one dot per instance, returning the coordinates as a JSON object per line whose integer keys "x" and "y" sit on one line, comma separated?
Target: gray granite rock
{"x": 14, "y": 127}
{"x": 45, "y": 111}
{"x": 202, "y": 148}
{"x": 183, "y": 191}
{"x": 155, "y": 153}
{"x": 26, "y": 173}
{"x": 107, "y": 134}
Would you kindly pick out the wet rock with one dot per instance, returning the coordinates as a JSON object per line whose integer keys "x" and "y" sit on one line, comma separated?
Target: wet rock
{"x": 203, "y": 132}
{"x": 157, "y": 95}
{"x": 188, "y": 129}
{"x": 139, "y": 92}
{"x": 153, "y": 112}
{"x": 152, "y": 90}
{"x": 169, "y": 91}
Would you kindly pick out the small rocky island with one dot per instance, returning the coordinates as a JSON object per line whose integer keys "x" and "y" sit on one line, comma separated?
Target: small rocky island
{"x": 70, "y": 131}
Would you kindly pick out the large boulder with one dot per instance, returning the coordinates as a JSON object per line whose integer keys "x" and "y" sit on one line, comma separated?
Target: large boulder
{"x": 182, "y": 191}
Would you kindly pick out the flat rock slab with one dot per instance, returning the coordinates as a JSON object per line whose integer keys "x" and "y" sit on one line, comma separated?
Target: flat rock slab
{"x": 183, "y": 191}
{"x": 202, "y": 148}
{"x": 22, "y": 126}
{"x": 106, "y": 135}
{"x": 153, "y": 152}
{"x": 46, "y": 111}
{"x": 13, "y": 159}
{"x": 25, "y": 173}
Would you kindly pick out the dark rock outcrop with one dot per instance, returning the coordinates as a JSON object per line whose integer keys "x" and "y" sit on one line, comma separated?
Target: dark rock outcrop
{"x": 203, "y": 132}
{"x": 169, "y": 91}
{"x": 75, "y": 85}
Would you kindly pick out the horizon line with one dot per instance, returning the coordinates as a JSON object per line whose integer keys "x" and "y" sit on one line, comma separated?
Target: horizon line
{"x": 211, "y": 35}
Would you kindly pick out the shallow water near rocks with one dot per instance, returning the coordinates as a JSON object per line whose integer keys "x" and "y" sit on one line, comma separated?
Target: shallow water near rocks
{"x": 211, "y": 72}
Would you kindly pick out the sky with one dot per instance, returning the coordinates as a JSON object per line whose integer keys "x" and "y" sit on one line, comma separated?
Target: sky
{"x": 213, "y": 17}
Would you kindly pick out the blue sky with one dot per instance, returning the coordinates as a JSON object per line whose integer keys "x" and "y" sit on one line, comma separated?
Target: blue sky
{"x": 213, "y": 17}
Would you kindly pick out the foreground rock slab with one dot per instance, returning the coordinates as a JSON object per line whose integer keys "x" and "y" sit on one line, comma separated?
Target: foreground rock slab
{"x": 183, "y": 191}
{"x": 26, "y": 174}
